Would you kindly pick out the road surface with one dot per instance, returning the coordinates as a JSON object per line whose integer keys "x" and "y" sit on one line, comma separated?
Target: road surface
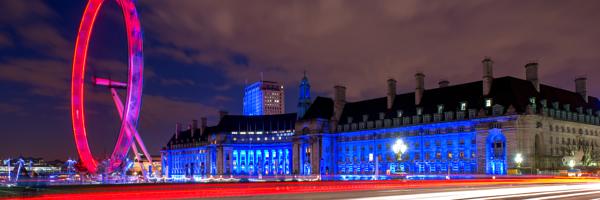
{"x": 529, "y": 188}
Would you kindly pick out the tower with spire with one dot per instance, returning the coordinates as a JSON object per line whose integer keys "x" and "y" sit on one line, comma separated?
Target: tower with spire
{"x": 304, "y": 96}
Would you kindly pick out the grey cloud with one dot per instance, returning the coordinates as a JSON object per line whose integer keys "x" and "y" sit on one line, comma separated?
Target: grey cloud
{"x": 340, "y": 42}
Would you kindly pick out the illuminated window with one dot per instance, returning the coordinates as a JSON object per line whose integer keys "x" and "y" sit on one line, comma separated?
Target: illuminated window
{"x": 532, "y": 100}
{"x": 488, "y": 103}
{"x": 463, "y": 106}
{"x": 419, "y": 111}
{"x": 440, "y": 109}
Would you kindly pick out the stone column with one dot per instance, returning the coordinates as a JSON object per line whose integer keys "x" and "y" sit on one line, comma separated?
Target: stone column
{"x": 296, "y": 159}
{"x": 220, "y": 158}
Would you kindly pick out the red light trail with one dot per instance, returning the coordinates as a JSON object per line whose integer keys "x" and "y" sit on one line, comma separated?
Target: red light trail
{"x": 177, "y": 191}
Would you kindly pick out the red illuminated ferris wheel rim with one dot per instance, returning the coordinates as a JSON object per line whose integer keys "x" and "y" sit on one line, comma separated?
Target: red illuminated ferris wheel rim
{"x": 134, "y": 83}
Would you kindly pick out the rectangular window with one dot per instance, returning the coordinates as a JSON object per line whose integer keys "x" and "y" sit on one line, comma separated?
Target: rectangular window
{"x": 488, "y": 103}
{"x": 440, "y": 109}
{"x": 463, "y": 106}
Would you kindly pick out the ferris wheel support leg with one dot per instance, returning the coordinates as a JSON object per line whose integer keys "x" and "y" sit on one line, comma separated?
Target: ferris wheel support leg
{"x": 131, "y": 130}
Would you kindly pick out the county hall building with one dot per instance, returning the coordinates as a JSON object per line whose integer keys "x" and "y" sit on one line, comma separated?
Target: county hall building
{"x": 471, "y": 128}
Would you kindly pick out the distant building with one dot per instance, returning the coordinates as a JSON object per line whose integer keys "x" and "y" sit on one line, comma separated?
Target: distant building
{"x": 479, "y": 127}
{"x": 264, "y": 98}
{"x": 155, "y": 167}
{"x": 303, "y": 96}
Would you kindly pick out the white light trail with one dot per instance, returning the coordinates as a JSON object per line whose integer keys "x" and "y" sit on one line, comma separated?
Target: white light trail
{"x": 499, "y": 193}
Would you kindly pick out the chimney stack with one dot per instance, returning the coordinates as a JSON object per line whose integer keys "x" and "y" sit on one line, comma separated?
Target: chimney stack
{"x": 203, "y": 123}
{"x": 444, "y": 83}
{"x": 581, "y": 87}
{"x": 488, "y": 75}
{"x": 391, "y": 92}
{"x": 420, "y": 78}
{"x": 222, "y": 113}
{"x": 531, "y": 74}
{"x": 194, "y": 127}
{"x": 339, "y": 101}
{"x": 177, "y": 130}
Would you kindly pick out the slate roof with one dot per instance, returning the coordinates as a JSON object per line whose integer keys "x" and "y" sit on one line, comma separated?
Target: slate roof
{"x": 239, "y": 123}
{"x": 322, "y": 108}
{"x": 505, "y": 91}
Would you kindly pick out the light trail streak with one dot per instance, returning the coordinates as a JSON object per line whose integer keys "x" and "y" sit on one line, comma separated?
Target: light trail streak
{"x": 499, "y": 193}
{"x": 217, "y": 190}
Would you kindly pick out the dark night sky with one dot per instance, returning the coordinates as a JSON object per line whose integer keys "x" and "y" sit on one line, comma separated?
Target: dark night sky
{"x": 198, "y": 55}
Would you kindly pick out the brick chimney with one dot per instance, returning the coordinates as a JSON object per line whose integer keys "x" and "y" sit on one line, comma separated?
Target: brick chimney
{"x": 194, "y": 127}
{"x": 339, "y": 101}
{"x": 420, "y": 79}
{"x": 203, "y": 124}
{"x": 581, "y": 87}
{"x": 488, "y": 75}
{"x": 391, "y": 92}
{"x": 531, "y": 74}
{"x": 177, "y": 130}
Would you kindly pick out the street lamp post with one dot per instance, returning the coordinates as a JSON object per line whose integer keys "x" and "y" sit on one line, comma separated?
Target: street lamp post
{"x": 519, "y": 160}
{"x": 399, "y": 148}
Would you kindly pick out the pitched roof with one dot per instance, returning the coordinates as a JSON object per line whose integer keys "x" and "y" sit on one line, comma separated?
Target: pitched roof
{"x": 322, "y": 108}
{"x": 505, "y": 91}
{"x": 239, "y": 123}
{"x": 257, "y": 122}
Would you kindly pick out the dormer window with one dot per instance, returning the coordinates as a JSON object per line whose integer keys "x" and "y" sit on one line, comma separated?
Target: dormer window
{"x": 567, "y": 107}
{"x": 419, "y": 111}
{"x": 399, "y": 113}
{"x": 349, "y": 120}
{"x": 365, "y": 118}
{"x": 555, "y": 105}
{"x": 440, "y": 109}
{"x": 463, "y": 106}
{"x": 544, "y": 103}
{"x": 381, "y": 116}
{"x": 532, "y": 100}
{"x": 488, "y": 103}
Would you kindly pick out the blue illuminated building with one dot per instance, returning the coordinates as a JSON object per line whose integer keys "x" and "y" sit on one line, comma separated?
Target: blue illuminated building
{"x": 471, "y": 128}
{"x": 237, "y": 146}
{"x": 264, "y": 98}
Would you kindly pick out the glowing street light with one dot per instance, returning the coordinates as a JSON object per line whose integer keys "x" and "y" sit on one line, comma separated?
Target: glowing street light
{"x": 571, "y": 163}
{"x": 399, "y": 148}
{"x": 519, "y": 159}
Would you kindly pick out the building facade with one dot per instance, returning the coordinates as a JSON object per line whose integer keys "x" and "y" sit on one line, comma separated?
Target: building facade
{"x": 472, "y": 128}
{"x": 264, "y": 98}
{"x": 239, "y": 145}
